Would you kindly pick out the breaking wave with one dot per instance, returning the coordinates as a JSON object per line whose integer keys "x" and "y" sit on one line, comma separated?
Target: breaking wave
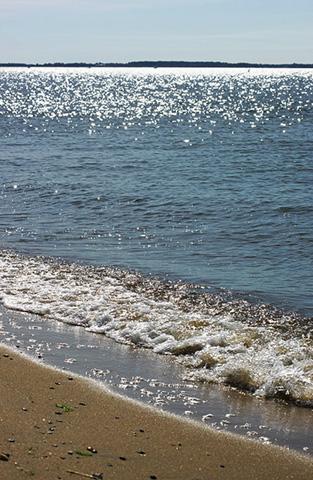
{"x": 255, "y": 348}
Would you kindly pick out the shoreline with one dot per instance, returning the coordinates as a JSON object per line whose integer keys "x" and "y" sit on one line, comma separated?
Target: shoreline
{"x": 53, "y": 422}
{"x": 251, "y": 347}
{"x": 156, "y": 380}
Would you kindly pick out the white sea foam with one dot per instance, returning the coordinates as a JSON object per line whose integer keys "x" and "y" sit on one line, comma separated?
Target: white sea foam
{"x": 214, "y": 346}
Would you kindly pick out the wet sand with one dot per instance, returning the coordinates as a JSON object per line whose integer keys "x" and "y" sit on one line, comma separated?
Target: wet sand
{"x": 55, "y": 425}
{"x": 156, "y": 380}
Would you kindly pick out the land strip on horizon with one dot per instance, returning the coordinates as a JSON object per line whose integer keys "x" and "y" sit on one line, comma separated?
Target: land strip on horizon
{"x": 161, "y": 64}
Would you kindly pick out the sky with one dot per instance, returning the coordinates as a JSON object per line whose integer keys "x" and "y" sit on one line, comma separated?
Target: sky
{"x": 274, "y": 31}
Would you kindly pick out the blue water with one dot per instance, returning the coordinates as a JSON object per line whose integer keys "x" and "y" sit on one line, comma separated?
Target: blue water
{"x": 199, "y": 175}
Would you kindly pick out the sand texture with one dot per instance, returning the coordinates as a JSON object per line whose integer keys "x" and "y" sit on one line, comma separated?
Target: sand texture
{"x": 57, "y": 426}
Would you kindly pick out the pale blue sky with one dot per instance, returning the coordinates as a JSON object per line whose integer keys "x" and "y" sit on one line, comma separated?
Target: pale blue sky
{"x": 123, "y": 30}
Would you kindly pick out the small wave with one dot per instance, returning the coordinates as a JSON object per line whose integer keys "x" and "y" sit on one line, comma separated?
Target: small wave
{"x": 296, "y": 209}
{"x": 254, "y": 348}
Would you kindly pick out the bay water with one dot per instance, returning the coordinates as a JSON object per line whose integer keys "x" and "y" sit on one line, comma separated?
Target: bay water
{"x": 166, "y": 208}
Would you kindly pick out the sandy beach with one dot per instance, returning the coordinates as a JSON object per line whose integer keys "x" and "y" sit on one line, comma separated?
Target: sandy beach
{"x": 58, "y": 426}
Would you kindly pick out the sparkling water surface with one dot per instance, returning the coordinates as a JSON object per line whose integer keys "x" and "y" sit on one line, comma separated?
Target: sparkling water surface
{"x": 199, "y": 175}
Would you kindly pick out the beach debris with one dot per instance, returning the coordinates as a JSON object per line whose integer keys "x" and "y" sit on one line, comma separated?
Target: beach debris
{"x": 65, "y": 407}
{"x": 11, "y": 440}
{"x": 83, "y": 453}
{"x": 4, "y": 457}
{"x": 141, "y": 452}
{"x": 177, "y": 445}
{"x": 94, "y": 476}
{"x": 92, "y": 449}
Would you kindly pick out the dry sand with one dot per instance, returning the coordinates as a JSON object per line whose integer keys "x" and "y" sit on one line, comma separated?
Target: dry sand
{"x": 53, "y": 424}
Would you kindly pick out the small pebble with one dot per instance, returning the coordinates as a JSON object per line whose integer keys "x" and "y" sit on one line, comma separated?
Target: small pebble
{"x": 11, "y": 440}
{"x": 122, "y": 458}
{"x": 4, "y": 457}
{"x": 91, "y": 449}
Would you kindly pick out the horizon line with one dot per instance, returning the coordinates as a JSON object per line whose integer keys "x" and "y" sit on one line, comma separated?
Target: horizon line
{"x": 161, "y": 63}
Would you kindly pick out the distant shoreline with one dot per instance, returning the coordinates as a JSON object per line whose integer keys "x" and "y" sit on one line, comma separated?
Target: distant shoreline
{"x": 161, "y": 64}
